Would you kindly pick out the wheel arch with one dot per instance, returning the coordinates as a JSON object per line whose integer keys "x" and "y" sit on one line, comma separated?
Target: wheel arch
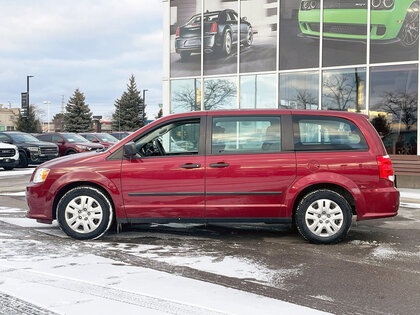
{"x": 66, "y": 188}
{"x": 69, "y": 150}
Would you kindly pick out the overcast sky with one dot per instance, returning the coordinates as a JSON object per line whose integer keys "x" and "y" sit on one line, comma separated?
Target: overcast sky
{"x": 93, "y": 45}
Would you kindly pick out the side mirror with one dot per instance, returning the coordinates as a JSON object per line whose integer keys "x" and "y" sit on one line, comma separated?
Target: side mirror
{"x": 7, "y": 141}
{"x": 60, "y": 142}
{"x": 244, "y": 19}
{"x": 130, "y": 150}
{"x": 95, "y": 141}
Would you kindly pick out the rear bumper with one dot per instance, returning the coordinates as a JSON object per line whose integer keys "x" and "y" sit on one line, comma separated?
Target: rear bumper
{"x": 193, "y": 44}
{"x": 380, "y": 203}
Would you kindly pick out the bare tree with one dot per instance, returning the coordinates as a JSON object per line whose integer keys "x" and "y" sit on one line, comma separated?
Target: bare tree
{"x": 341, "y": 91}
{"x": 305, "y": 99}
{"x": 402, "y": 105}
{"x": 217, "y": 93}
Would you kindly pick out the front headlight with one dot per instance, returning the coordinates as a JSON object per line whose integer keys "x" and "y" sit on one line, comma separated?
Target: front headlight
{"x": 81, "y": 147}
{"x": 41, "y": 175}
{"x": 33, "y": 149}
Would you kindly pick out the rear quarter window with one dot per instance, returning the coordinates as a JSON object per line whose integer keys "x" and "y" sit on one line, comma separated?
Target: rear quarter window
{"x": 327, "y": 133}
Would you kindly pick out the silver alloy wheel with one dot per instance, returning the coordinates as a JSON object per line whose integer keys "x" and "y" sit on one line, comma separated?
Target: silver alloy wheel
{"x": 250, "y": 37}
{"x": 228, "y": 43}
{"x": 410, "y": 29}
{"x": 83, "y": 214}
{"x": 324, "y": 217}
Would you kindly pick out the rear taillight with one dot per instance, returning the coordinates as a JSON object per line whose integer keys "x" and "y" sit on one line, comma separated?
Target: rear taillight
{"x": 213, "y": 28}
{"x": 385, "y": 167}
{"x": 177, "y": 31}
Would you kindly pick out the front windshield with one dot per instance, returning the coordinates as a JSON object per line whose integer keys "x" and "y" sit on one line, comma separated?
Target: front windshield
{"x": 22, "y": 137}
{"x": 106, "y": 137}
{"x": 72, "y": 137}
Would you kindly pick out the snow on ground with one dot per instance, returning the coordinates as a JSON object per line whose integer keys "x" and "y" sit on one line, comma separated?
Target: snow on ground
{"x": 88, "y": 284}
{"x": 409, "y": 193}
{"x": 14, "y": 194}
{"x": 17, "y": 172}
{"x": 11, "y": 210}
{"x": 28, "y": 223}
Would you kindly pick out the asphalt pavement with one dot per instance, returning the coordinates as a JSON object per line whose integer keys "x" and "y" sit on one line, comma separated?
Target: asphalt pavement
{"x": 376, "y": 270}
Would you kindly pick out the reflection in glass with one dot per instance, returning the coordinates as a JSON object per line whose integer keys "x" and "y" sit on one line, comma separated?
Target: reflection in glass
{"x": 185, "y": 45}
{"x": 344, "y": 90}
{"x": 220, "y": 93}
{"x": 258, "y": 91}
{"x": 185, "y": 95}
{"x": 394, "y": 31}
{"x": 220, "y": 36}
{"x": 259, "y": 36}
{"x": 345, "y": 32}
{"x": 394, "y": 107}
{"x": 299, "y": 44}
{"x": 299, "y": 90}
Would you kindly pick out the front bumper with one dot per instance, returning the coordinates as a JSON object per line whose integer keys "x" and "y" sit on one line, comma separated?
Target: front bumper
{"x": 40, "y": 202}
{"x": 8, "y": 162}
{"x": 351, "y": 24}
{"x": 41, "y": 158}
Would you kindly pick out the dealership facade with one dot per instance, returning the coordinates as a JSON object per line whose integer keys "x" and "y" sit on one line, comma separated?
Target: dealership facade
{"x": 364, "y": 57}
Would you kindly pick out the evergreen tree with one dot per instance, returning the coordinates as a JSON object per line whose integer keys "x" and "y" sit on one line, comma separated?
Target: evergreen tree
{"x": 58, "y": 121}
{"x": 78, "y": 117}
{"x": 129, "y": 112}
{"x": 159, "y": 114}
{"x": 34, "y": 123}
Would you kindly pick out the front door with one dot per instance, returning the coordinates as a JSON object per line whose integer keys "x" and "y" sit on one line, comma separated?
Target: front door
{"x": 247, "y": 172}
{"x": 166, "y": 179}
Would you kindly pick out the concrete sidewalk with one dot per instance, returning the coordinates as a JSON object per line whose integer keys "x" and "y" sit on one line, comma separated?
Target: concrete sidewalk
{"x": 408, "y": 195}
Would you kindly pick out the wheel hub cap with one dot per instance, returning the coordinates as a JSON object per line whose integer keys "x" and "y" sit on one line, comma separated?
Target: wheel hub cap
{"x": 83, "y": 214}
{"x": 324, "y": 217}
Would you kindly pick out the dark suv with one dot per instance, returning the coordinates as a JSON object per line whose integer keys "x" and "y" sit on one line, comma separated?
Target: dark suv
{"x": 31, "y": 150}
{"x": 315, "y": 169}
{"x": 70, "y": 143}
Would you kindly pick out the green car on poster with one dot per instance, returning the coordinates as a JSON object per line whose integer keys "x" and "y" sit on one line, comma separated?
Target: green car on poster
{"x": 391, "y": 20}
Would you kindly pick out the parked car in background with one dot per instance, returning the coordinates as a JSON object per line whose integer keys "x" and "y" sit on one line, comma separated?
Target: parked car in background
{"x": 70, "y": 143}
{"x": 31, "y": 150}
{"x": 315, "y": 169}
{"x": 391, "y": 21}
{"x": 220, "y": 34}
{"x": 105, "y": 139}
{"x": 120, "y": 134}
{"x": 9, "y": 156}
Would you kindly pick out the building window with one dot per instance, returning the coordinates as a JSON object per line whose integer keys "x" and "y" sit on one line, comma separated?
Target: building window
{"x": 258, "y": 91}
{"x": 394, "y": 107}
{"x": 220, "y": 93}
{"x": 10, "y": 128}
{"x": 185, "y": 95}
{"x": 344, "y": 90}
{"x": 299, "y": 90}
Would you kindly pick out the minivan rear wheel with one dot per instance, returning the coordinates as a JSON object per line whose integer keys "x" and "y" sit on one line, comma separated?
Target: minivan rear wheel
{"x": 84, "y": 213}
{"x": 323, "y": 217}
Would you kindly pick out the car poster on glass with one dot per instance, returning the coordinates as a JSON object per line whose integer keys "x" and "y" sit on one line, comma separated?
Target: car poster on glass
{"x": 298, "y": 51}
{"x": 185, "y": 38}
{"x": 220, "y": 36}
{"x": 394, "y": 30}
{"x": 258, "y": 36}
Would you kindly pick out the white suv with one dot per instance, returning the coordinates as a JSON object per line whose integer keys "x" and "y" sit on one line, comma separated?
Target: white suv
{"x": 9, "y": 156}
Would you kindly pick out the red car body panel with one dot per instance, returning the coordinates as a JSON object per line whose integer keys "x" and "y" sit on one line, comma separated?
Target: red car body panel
{"x": 249, "y": 176}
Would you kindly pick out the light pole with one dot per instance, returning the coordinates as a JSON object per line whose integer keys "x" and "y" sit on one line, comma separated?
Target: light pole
{"x": 48, "y": 103}
{"x": 27, "y": 98}
{"x": 144, "y": 106}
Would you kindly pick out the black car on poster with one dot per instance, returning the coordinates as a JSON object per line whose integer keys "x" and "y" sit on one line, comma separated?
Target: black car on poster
{"x": 220, "y": 34}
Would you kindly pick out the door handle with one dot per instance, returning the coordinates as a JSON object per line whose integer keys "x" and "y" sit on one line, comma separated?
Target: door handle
{"x": 219, "y": 165}
{"x": 190, "y": 165}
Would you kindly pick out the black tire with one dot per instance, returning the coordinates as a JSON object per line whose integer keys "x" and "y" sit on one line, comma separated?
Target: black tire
{"x": 8, "y": 168}
{"x": 70, "y": 152}
{"x": 409, "y": 33}
{"x": 185, "y": 55}
{"x": 325, "y": 230}
{"x": 23, "y": 159}
{"x": 249, "y": 37}
{"x": 85, "y": 225}
{"x": 227, "y": 44}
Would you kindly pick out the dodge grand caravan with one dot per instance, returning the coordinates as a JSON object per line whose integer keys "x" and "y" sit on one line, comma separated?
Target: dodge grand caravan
{"x": 315, "y": 169}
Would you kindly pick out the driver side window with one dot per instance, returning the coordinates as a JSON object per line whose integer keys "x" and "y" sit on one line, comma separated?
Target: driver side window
{"x": 172, "y": 139}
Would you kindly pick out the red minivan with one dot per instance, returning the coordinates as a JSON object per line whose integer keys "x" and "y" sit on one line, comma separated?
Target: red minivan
{"x": 315, "y": 169}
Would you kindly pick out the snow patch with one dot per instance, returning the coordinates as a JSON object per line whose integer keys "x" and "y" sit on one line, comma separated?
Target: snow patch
{"x": 11, "y": 210}
{"x": 384, "y": 252}
{"x": 323, "y": 297}
{"x": 16, "y": 194}
{"x": 410, "y": 205}
{"x": 27, "y": 223}
{"x": 17, "y": 172}
{"x": 409, "y": 193}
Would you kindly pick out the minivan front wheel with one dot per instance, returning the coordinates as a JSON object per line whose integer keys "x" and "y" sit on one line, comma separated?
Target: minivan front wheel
{"x": 323, "y": 216}
{"x": 84, "y": 213}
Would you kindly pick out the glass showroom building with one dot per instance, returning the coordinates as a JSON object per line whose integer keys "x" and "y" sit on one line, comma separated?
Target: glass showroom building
{"x": 363, "y": 57}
